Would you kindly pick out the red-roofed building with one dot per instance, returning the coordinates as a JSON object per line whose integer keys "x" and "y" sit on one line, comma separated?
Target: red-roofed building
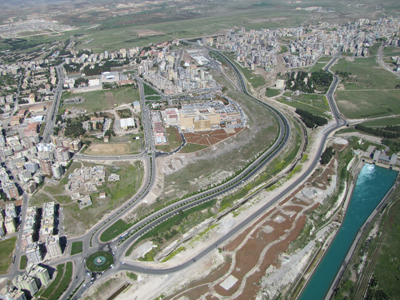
{"x": 158, "y": 128}
{"x": 21, "y": 113}
{"x": 32, "y": 129}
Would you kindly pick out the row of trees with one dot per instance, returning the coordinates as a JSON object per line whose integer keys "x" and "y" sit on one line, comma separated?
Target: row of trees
{"x": 310, "y": 119}
{"x": 385, "y": 132}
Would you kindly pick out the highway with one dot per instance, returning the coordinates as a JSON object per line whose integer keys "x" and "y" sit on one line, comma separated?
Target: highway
{"x": 149, "y": 156}
{"x": 160, "y": 271}
{"x": 140, "y": 269}
{"x": 162, "y": 215}
{"x": 54, "y": 107}
{"x": 339, "y": 122}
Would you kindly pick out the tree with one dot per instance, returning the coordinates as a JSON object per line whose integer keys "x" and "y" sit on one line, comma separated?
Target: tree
{"x": 326, "y": 156}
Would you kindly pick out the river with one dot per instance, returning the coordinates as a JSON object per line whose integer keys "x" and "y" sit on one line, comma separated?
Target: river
{"x": 372, "y": 185}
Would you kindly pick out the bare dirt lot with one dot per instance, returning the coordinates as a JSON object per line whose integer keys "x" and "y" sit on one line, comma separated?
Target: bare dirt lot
{"x": 147, "y": 32}
{"x": 208, "y": 138}
{"x": 108, "y": 149}
{"x": 110, "y": 99}
{"x": 261, "y": 246}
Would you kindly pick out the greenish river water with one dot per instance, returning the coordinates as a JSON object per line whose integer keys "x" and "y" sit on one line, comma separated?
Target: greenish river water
{"x": 372, "y": 185}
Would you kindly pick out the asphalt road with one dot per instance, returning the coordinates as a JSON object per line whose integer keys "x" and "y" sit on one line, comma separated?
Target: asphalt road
{"x": 196, "y": 200}
{"x": 340, "y": 122}
{"x": 93, "y": 235}
{"x": 54, "y": 107}
{"x": 140, "y": 269}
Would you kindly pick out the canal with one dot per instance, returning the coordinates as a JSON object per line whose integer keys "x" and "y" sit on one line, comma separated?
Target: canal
{"x": 372, "y": 185}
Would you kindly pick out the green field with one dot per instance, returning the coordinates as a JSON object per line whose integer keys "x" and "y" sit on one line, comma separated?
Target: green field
{"x": 96, "y": 101}
{"x": 76, "y": 247}
{"x": 391, "y": 51}
{"x": 315, "y": 104}
{"x": 90, "y": 261}
{"x": 189, "y": 148}
{"x": 148, "y": 91}
{"x": 368, "y": 74}
{"x": 272, "y": 92}
{"x": 23, "y": 262}
{"x": 370, "y": 91}
{"x": 368, "y": 104}
{"x": 6, "y": 251}
{"x": 383, "y": 122}
{"x": 113, "y": 231}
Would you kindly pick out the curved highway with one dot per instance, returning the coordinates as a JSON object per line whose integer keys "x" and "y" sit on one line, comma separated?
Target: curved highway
{"x": 339, "y": 123}
{"x": 210, "y": 194}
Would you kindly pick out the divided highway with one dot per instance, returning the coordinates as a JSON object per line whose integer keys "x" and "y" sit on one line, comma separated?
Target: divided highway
{"x": 339, "y": 123}
{"x": 162, "y": 215}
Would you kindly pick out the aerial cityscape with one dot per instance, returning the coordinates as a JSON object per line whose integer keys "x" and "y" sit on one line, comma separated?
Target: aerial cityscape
{"x": 192, "y": 149}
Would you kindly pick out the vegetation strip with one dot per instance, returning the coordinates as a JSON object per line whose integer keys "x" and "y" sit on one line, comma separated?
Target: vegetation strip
{"x": 76, "y": 247}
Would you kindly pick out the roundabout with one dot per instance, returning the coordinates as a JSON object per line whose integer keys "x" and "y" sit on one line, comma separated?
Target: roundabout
{"x": 99, "y": 261}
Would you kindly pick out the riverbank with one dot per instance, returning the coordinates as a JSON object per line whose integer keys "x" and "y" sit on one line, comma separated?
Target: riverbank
{"x": 371, "y": 187}
{"x": 359, "y": 238}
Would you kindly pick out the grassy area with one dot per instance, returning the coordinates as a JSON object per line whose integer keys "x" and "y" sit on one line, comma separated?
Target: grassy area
{"x": 272, "y": 92}
{"x": 391, "y": 51}
{"x": 174, "y": 139}
{"x": 283, "y": 49}
{"x": 91, "y": 265}
{"x": 368, "y": 74}
{"x": 320, "y": 63}
{"x": 189, "y": 148}
{"x": 180, "y": 249}
{"x": 153, "y": 97}
{"x": 113, "y": 231}
{"x": 132, "y": 276}
{"x": 387, "y": 269}
{"x": 169, "y": 25}
{"x": 148, "y": 91}
{"x": 52, "y": 287}
{"x": 66, "y": 280}
{"x": 316, "y": 107}
{"x": 96, "y": 100}
{"x": 76, "y": 247}
{"x": 179, "y": 223}
{"x": 6, "y": 251}
{"x": 368, "y": 104}
{"x": 383, "y": 122}
{"x": 149, "y": 256}
{"x": 346, "y": 130}
{"x": 23, "y": 262}
{"x": 39, "y": 199}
